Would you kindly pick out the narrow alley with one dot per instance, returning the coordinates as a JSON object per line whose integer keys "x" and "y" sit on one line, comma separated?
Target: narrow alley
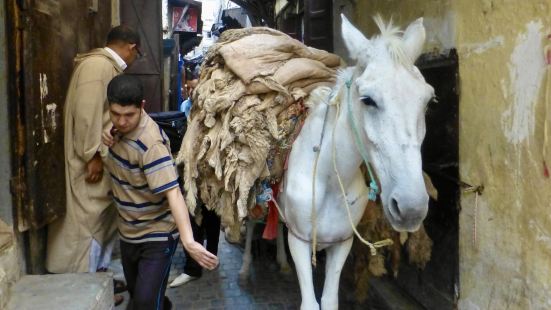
{"x": 221, "y": 288}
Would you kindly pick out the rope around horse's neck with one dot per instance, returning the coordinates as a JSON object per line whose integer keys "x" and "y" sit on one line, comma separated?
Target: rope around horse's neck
{"x": 373, "y": 188}
{"x": 373, "y": 185}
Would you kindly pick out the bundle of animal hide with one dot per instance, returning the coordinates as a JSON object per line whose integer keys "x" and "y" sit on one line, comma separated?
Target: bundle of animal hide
{"x": 246, "y": 111}
{"x": 374, "y": 226}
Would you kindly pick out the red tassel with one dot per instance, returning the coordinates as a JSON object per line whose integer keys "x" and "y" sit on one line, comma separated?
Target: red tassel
{"x": 545, "y": 170}
{"x": 270, "y": 231}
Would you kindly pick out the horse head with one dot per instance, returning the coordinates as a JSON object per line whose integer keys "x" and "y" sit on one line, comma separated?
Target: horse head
{"x": 388, "y": 99}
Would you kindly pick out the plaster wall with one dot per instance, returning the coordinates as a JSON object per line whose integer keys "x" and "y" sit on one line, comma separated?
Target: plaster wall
{"x": 505, "y": 234}
{"x": 502, "y": 114}
{"x": 438, "y": 17}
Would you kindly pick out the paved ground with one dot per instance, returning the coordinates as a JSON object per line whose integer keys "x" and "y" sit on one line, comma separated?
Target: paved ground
{"x": 221, "y": 289}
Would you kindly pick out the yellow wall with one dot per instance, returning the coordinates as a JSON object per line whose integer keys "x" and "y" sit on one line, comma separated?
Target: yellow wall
{"x": 502, "y": 111}
{"x": 437, "y": 14}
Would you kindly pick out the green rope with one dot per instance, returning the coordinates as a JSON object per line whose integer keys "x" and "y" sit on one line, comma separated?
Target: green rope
{"x": 372, "y": 193}
{"x": 373, "y": 187}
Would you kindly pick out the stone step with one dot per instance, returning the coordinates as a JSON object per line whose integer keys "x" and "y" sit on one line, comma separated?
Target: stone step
{"x": 76, "y": 291}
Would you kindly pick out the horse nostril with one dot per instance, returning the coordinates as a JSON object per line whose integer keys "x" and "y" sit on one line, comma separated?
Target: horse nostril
{"x": 394, "y": 209}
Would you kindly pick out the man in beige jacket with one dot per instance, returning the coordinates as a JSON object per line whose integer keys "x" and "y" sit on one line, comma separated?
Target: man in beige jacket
{"x": 82, "y": 240}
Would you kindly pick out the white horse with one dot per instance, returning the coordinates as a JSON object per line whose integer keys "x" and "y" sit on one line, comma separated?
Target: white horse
{"x": 375, "y": 110}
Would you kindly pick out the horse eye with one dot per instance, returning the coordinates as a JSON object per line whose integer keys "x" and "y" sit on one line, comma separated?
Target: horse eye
{"x": 368, "y": 101}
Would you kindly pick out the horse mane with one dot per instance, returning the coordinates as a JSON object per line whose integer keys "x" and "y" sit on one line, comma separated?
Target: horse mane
{"x": 392, "y": 36}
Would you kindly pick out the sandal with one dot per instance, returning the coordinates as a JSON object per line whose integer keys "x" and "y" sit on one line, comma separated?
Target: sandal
{"x": 119, "y": 286}
{"x": 118, "y": 299}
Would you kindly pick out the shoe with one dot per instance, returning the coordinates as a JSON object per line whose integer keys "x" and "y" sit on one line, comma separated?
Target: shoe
{"x": 182, "y": 279}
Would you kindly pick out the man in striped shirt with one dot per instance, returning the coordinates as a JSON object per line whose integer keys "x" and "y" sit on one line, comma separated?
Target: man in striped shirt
{"x": 152, "y": 211}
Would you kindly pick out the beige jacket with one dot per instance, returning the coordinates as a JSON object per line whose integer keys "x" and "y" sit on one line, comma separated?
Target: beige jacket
{"x": 90, "y": 212}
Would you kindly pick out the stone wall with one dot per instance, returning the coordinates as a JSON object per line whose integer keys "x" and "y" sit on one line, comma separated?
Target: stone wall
{"x": 10, "y": 268}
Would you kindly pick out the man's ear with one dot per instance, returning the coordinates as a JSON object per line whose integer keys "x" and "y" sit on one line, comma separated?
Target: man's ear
{"x": 143, "y": 103}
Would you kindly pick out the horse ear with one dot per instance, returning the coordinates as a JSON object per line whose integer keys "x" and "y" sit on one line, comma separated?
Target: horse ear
{"x": 354, "y": 40}
{"x": 414, "y": 39}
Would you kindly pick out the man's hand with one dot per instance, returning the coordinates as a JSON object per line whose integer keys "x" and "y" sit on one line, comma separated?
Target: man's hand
{"x": 94, "y": 169}
{"x": 181, "y": 216}
{"x": 109, "y": 137}
{"x": 205, "y": 258}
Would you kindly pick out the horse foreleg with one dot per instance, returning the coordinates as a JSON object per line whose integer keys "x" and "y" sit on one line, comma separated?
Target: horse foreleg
{"x": 300, "y": 251}
{"x": 247, "y": 257}
{"x": 336, "y": 256}
{"x": 281, "y": 253}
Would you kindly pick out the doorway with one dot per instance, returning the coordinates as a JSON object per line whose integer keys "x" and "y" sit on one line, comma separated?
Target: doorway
{"x": 435, "y": 286}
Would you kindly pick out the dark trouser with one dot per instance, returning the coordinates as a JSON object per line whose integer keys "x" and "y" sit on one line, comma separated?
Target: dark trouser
{"x": 210, "y": 230}
{"x": 146, "y": 268}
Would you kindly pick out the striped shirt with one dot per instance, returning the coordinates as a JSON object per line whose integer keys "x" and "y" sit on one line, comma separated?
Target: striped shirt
{"x": 142, "y": 170}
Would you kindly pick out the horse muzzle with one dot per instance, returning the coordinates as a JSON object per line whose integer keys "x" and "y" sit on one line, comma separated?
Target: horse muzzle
{"x": 406, "y": 210}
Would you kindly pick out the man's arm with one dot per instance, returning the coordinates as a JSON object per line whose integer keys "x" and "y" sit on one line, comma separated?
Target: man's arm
{"x": 89, "y": 114}
{"x": 181, "y": 216}
{"x": 88, "y": 122}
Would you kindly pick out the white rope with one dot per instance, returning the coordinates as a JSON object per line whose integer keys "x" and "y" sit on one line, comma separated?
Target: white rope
{"x": 475, "y": 240}
{"x": 372, "y": 246}
{"x": 477, "y": 190}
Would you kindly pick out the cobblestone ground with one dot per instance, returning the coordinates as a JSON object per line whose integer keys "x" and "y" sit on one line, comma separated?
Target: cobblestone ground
{"x": 266, "y": 287}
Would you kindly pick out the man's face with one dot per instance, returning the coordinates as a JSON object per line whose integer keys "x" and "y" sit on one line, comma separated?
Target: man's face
{"x": 131, "y": 53}
{"x": 125, "y": 118}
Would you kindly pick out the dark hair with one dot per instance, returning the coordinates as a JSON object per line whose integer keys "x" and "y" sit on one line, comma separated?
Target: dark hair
{"x": 123, "y": 33}
{"x": 125, "y": 90}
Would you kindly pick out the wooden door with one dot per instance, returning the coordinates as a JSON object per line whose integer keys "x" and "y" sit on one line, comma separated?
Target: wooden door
{"x": 318, "y": 24}
{"x": 145, "y": 16}
{"x": 44, "y": 37}
{"x": 290, "y": 20}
